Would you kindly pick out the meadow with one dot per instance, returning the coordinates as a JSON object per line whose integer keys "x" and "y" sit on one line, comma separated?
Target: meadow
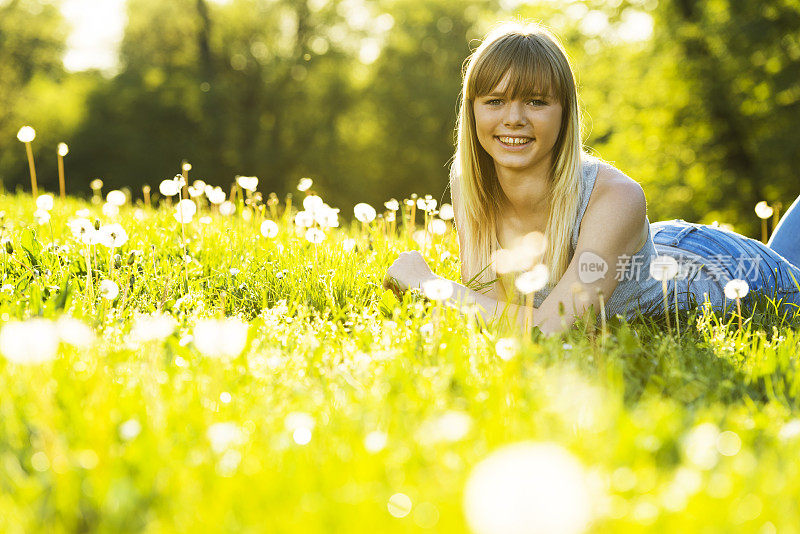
{"x": 231, "y": 363}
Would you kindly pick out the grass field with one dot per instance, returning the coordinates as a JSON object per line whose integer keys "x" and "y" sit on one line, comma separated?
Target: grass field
{"x": 240, "y": 383}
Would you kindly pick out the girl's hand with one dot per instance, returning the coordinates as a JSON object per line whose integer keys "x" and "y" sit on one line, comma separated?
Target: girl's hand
{"x": 408, "y": 271}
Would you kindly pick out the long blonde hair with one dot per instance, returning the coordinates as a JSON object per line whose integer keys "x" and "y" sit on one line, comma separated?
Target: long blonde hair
{"x": 536, "y": 63}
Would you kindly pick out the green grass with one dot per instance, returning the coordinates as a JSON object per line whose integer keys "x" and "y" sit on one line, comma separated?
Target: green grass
{"x": 648, "y": 415}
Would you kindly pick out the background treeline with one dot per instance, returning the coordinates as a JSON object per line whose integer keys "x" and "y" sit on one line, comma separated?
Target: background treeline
{"x": 361, "y": 95}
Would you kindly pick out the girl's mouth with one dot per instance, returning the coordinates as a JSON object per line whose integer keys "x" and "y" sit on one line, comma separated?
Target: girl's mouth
{"x": 514, "y": 142}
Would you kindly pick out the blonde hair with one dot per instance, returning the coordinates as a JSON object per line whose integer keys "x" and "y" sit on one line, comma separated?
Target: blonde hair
{"x": 536, "y": 63}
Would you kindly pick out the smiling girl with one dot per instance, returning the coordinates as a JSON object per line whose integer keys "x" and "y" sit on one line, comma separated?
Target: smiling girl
{"x": 520, "y": 170}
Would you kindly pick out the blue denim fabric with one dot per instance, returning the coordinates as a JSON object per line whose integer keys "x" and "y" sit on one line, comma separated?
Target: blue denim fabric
{"x": 785, "y": 238}
{"x": 725, "y": 255}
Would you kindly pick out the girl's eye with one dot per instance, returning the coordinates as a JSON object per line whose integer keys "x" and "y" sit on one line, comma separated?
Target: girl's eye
{"x": 494, "y": 101}
{"x": 537, "y": 102}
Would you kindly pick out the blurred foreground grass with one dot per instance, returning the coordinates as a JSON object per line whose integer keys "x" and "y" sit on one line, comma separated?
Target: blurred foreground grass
{"x": 329, "y": 406}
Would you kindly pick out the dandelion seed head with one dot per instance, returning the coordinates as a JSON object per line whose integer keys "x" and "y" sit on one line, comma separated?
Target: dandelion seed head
{"x": 130, "y": 429}
{"x": 227, "y": 208}
{"x": 152, "y": 327}
{"x": 302, "y": 436}
{"x": 348, "y": 244}
{"x": 112, "y": 235}
{"x": 437, "y": 227}
{"x": 63, "y": 149}
{"x": 506, "y": 348}
{"x": 41, "y": 216}
{"x": 218, "y": 338}
{"x": 110, "y": 210}
{"x": 29, "y": 342}
{"x": 736, "y": 289}
{"x": 96, "y": 184}
{"x": 532, "y": 280}
{"x": 364, "y": 212}
{"x": 448, "y": 427}
{"x": 269, "y": 229}
{"x": 224, "y": 436}
{"x": 437, "y": 289}
{"x": 763, "y": 210}
{"x": 248, "y": 183}
{"x": 305, "y": 184}
{"x": 169, "y": 188}
{"x": 664, "y": 268}
{"x": 186, "y": 167}
{"x": 215, "y": 195}
{"x": 528, "y": 487}
{"x": 392, "y": 205}
{"x": 45, "y": 202}
{"x": 225, "y": 397}
{"x": 116, "y": 197}
{"x": 375, "y": 441}
{"x": 26, "y": 134}
{"x": 109, "y": 289}
{"x": 446, "y": 212}
{"x": 315, "y": 235}
{"x": 304, "y": 219}
{"x": 73, "y": 332}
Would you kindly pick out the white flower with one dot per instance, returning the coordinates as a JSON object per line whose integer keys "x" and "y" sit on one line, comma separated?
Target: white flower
{"x": 110, "y": 210}
{"x": 44, "y": 202}
{"x": 364, "y": 212}
{"x": 249, "y": 183}
{"x": 525, "y": 488}
{"x": 129, "y": 429}
{"x": 437, "y": 227}
{"x": 348, "y": 244}
{"x": 392, "y": 205}
{"x": 63, "y": 149}
{"x": 74, "y": 332}
{"x": 522, "y": 255}
{"x": 664, "y": 268}
{"x": 532, "y": 280}
{"x": 506, "y": 348}
{"x": 153, "y": 327}
{"x": 736, "y": 289}
{"x": 227, "y": 208}
{"x": 312, "y": 202}
{"x": 29, "y": 342}
{"x": 215, "y": 195}
{"x": 41, "y": 216}
{"x": 26, "y": 134}
{"x": 304, "y": 219}
{"x": 116, "y": 197}
{"x": 169, "y": 188}
{"x": 446, "y": 212}
{"x": 113, "y": 235}
{"x": 220, "y": 338}
{"x": 185, "y": 210}
{"x": 326, "y": 216}
{"x": 224, "y": 436}
{"x": 451, "y": 426}
{"x": 315, "y": 235}
{"x": 437, "y": 289}
{"x": 427, "y": 203}
{"x": 305, "y": 184}
{"x": 109, "y": 290}
{"x": 269, "y": 229}
{"x": 763, "y": 210}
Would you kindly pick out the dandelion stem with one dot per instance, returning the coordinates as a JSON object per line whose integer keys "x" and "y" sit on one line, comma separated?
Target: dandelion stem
{"x": 61, "y": 183}
{"x": 32, "y": 169}
{"x": 666, "y": 305}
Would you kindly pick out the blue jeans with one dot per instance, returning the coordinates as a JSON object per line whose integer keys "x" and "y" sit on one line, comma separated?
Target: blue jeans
{"x": 772, "y": 270}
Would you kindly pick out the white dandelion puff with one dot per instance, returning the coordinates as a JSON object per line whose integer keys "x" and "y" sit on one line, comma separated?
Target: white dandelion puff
{"x": 446, "y": 212}
{"x": 269, "y": 229}
{"x": 364, "y": 212}
{"x": 664, "y": 268}
{"x": 248, "y": 183}
{"x": 736, "y": 289}
{"x": 26, "y": 134}
{"x": 44, "y": 202}
{"x": 305, "y": 184}
{"x": 220, "y": 338}
{"x": 116, "y": 197}
{"x": 437, "y": 289}
{"x": 109, "y": 289}
{"x": 315, "y": 235}
{"x": 532, "y": 280}
{"x": 29, "y": 342}
{"x": 506, "y": 348}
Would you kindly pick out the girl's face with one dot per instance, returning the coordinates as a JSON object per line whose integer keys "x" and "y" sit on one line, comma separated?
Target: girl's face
{"x": 518, "y": 134}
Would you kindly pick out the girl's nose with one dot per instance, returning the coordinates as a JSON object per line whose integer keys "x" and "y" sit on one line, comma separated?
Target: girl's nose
{"x": 515, "y": 114}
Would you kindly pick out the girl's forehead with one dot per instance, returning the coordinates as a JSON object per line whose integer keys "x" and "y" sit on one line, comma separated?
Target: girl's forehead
{"x": 517, "y": 84}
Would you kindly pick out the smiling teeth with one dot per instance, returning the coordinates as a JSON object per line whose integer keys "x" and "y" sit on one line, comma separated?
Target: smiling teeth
{"x": 514, "y": 140}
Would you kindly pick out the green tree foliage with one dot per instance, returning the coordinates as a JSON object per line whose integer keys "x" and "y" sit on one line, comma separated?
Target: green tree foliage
{"x": 362, "y": 95}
